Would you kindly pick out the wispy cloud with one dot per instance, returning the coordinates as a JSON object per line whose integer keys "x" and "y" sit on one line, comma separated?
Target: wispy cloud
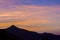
{"x": 8, "y": 3}
{"x": 35, "y": 14}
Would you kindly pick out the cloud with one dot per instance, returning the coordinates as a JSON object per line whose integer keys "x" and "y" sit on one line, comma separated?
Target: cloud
{"x": 31, "y": 17}
{"x": 36, "y": 15}
{"x": 31, "y": 14}
{"x": 8, "y": 3}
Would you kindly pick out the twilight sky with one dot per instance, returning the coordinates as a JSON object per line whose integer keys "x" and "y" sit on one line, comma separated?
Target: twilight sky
{"x": 34, "y": 15}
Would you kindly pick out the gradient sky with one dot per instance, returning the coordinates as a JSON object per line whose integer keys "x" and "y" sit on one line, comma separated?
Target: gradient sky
{"x": 34, "y": 15}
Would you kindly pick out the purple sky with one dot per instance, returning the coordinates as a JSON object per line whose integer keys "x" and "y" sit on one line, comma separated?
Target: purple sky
{"x": 35, "y": 15}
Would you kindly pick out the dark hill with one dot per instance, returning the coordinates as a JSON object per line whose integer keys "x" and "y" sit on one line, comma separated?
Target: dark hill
{"x": 14, "y": 33}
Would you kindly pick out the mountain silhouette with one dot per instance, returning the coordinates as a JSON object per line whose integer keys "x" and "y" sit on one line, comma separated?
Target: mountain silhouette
{"x": 14, "y": 33}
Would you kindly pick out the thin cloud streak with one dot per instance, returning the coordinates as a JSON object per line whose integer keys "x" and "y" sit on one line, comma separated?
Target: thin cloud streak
{"x": 31, "y": 17}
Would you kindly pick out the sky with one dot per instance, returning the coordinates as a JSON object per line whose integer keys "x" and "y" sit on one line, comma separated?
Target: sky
{"x": 34, "y": 15}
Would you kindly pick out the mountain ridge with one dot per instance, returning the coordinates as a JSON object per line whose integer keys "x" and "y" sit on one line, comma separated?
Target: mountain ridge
{"x": 14, "y": 33}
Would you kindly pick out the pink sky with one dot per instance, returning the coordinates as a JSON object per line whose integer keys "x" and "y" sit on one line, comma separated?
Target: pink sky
{"x": 40, "y": 18}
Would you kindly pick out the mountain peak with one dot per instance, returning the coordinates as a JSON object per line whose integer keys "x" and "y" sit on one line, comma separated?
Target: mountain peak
{"x": 12, "y": 26}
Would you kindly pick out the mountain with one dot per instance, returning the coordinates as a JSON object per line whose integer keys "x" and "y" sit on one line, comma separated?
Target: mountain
{"x": 24, "y": 34}
{"x": 14, "y": 33}
{"x": 4, "y": 35}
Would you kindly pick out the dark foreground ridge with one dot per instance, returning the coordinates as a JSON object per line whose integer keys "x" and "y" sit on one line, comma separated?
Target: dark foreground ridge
{"x": 14, "y": 33}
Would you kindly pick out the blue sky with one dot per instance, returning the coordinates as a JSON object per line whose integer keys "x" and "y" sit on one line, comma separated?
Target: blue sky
{"x": 38, "y": 2}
